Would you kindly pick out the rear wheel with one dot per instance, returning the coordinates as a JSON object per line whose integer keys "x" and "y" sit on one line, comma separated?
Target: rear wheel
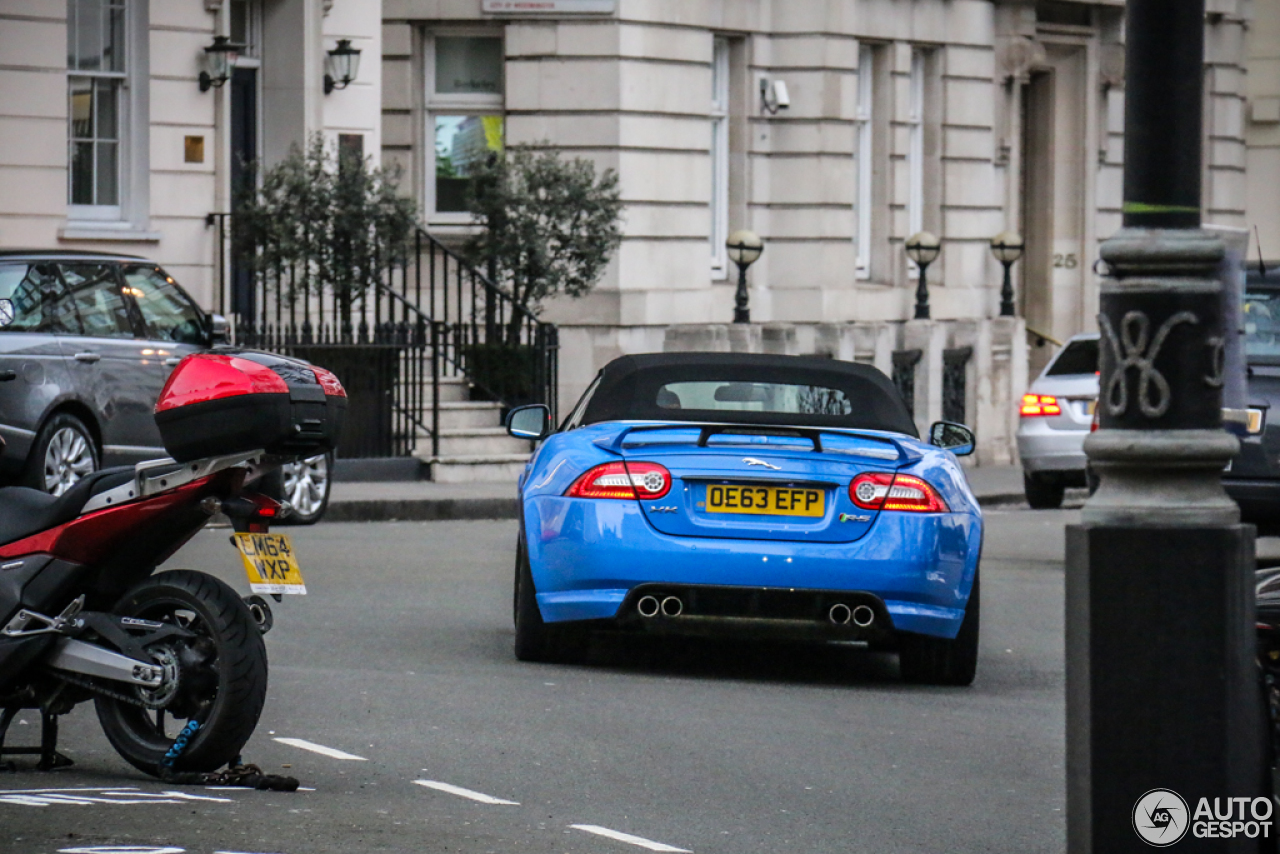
{"x": 938, "y": 661}
{"x": 535, "y": 639}
{"x": 1043, "y": 493}
{"x": 64, "y": 452}
{"x": 219, "y": 677}
{"x": 305, "y": 484}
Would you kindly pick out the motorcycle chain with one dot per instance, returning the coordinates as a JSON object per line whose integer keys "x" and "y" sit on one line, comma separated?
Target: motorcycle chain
{"x": 99, "y": 688}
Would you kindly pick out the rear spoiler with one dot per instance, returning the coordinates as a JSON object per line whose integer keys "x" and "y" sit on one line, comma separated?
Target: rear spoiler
{"x": 900, "y": 453}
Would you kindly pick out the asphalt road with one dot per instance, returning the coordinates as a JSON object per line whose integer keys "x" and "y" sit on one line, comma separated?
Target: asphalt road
{"x": 401, "y": 656}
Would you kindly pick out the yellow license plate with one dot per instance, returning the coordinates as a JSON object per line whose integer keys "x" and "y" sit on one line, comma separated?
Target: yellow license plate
{"x": 1092, "y": 407}
{"x": 270, "y": 563}
{"x": 767, "y": 500}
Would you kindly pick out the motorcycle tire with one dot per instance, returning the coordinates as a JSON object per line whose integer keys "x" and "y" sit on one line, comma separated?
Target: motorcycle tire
{"x": 222, "y": 676}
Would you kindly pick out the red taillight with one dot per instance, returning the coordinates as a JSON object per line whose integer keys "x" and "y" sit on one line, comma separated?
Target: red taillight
{"x": 1096, "y": 422}
{"x": 622, "y": 480}
{"x": 887, "y": 491}
{"x": 202, "y": 377}
{"x": 1039, "y": 404}
{"x": 332, "y": 387}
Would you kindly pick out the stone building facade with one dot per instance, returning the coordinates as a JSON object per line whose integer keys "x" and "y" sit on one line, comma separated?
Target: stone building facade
{"x": 960, "y": 117}
{"x": 108, "y": 143}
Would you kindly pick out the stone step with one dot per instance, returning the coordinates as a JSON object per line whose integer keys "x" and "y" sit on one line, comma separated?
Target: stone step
{"x": 463, "y": 415}
{"x": 452, "y": 390}
{"x": 480, "y": 441}
{"x": 477, "y": 468}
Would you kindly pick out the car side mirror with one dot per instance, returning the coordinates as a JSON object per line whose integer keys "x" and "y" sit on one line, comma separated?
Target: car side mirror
{"x": 529, "y": 422}
{"x": 218, "y": 330}
{"x": 6, "y": 312}
{"x": 956, "y": 438}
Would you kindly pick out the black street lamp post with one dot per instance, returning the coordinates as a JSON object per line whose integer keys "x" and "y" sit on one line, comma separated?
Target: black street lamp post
{"x": 1162, "y": 688}
{"x": 923, "y": 248}
{"x": 744, "y": 248}
{"x": 1007, "y": 247}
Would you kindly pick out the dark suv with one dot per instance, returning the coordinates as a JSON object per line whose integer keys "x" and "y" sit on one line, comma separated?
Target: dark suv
{"x": 87, "y": 340}
{"x": 1253, "y": 477}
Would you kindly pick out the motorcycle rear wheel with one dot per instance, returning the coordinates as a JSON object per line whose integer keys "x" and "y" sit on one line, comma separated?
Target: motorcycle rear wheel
{"x": 222, "y": 683}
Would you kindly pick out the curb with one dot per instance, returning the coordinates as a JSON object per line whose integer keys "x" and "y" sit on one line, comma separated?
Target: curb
{"x": 457, "y": 509}
{"x": 421, "y": 510}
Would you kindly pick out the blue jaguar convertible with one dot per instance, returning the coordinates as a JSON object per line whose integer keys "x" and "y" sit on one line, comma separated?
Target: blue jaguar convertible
{"x": 777, "y": 496}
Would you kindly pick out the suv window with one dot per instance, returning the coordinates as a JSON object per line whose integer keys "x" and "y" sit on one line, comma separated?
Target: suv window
{"x": 40, "y": 304}
{"x": 96, "y": 292}
{"x": 1079, "y": 357}
{"x": 167, "y": 313}
{"x": 1262, "y": 323}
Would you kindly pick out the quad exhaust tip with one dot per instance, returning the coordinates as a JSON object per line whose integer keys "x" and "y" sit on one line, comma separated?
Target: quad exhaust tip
{"x": 648, "y": 606}
{"x": 672, "y": 606}
{"x": 861, "y": 616}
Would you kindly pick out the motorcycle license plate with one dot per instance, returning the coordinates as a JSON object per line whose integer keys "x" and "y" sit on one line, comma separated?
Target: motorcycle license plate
{"x": 270, "y": 563}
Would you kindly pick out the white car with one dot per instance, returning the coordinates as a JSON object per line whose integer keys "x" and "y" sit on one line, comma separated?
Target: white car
{"x": 1056, "y": 414}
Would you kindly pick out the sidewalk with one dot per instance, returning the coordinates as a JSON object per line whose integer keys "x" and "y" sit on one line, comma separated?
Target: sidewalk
{"x": 423, "y": 501}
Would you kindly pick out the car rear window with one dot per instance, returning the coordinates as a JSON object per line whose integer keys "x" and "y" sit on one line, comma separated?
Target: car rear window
{"x": 716, "y": 396}
{"x": 1079, "y": 357}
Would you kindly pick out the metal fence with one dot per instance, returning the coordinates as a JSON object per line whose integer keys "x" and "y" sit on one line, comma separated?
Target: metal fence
{"x": 429, "y": 316}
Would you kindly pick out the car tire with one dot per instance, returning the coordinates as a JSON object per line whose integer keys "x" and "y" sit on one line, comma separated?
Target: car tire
{"x": 937, "y": 661}
{"x": 305, "y": 485}
{"x": 64, "y": 452}
{"x": 1042, "y": 493}
{"x": 535, "y": 639}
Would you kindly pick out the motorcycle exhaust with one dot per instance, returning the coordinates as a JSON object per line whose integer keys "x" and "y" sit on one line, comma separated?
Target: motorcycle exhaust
{"x": 672, "y": 606}
{"x": 863, "y": 616}
{"x": 648, "y": 606}
{"x": 261, "y": 613}
{"x": 839, "y": 614}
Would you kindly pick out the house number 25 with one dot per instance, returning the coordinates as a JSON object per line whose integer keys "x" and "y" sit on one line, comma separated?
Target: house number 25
{"x": 1066, "y": 262}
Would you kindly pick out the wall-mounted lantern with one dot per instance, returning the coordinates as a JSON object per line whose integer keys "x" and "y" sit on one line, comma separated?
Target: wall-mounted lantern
{"x": 744, "y": 248}
{"x": 923, "y": 248}
{"x": 1007, "y": 246}
{"x": 219, "y": 60}
{"x": 341, "y": 66}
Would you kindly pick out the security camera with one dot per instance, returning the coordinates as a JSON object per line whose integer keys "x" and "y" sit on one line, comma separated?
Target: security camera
{"x": 774, "y": 95}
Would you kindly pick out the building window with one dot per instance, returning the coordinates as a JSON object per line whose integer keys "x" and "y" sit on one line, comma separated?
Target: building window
{"x": 244, "y": 25}
{"x": 464, "y": 107}
{"x": 865, "y": 143}
{"x": 915, "y": 147}
{"x": 96, "y": 73}
{"x": 719, "y": 157}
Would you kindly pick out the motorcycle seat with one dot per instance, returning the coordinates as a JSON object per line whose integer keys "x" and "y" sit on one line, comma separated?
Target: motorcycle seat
{"x": 24, "y": 511}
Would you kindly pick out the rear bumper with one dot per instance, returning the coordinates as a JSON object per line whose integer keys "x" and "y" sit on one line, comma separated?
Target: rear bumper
{"x": 587, "y": 558}
{"x": 1042, "y": 448}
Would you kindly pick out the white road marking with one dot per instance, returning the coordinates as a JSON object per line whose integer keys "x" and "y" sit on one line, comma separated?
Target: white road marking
{"x": 628, "y": 838}
{"x": 121, "y": 849}
{"x": 320, "y": 748}
{"x": 465, "y": 793}
{"x": 86, "y": 797}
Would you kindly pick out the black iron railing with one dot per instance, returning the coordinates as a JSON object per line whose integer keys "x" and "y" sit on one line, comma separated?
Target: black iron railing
{"x": 904, "y": 375}
{"x": 427, "y": 317}
{"x": 955, "y": 384}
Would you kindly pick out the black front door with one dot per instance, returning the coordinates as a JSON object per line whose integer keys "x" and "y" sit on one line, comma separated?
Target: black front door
{"x": 244, "y": 153}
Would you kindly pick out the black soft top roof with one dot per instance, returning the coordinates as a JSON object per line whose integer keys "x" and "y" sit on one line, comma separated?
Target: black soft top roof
{"x": 629, "y": 385}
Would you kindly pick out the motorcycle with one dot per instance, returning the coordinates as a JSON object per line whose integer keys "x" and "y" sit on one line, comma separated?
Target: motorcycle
{"x": 174, "y": 662}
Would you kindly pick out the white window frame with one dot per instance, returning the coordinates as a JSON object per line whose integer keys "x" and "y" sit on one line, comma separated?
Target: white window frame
{"x": 719, "y": 116}
{"x": 915, "y": 152}
{"x": 865, "y": 141}
{"x": 452, "y": 104}
{"x": 130, "y": 218}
